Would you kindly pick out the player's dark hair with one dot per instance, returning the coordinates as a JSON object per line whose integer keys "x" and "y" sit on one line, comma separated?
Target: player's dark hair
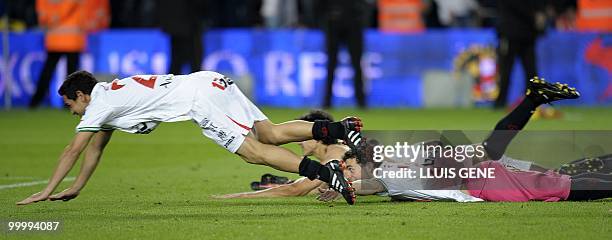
{"x": 77, "y": 81}
{"x": 367, "y": 150}
{"x": 317, "y": 114}
{"x": 350, "y": 154}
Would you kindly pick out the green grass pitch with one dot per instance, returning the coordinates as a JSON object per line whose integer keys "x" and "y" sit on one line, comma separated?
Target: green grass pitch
{"x": 159, "y": 186}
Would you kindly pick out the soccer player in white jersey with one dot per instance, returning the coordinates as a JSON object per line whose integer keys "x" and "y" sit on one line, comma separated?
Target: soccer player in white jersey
{"x": 138, "y": 104}
{"x": 324, "y": 151}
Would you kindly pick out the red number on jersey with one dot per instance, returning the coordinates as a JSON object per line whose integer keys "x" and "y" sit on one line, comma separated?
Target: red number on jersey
{"x": 150, "y": 83}
{"x": 219, "y": 83}
{"x": 115, "y": 85}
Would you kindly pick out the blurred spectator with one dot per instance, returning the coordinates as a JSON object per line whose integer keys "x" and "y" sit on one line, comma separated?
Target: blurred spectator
{"x": 183, "y": 22}
{"x": 457, "y": 13}
{"x": 564, "y": 13}
{"x": 594, "y": 15}
{"x": 66, "y": 24}
{"x": 430, "y": 14}
{"x": 343, "y": 25}
{"x": 519, "y": 24}
{"x": 401, "y": 15}
{"x": 371, "y": 13}
{"x": 280, "y": 13}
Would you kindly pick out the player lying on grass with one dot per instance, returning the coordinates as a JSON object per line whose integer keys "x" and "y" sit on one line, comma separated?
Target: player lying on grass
{"x": 507, "y": 185}
{"x": 582, "y": 168}
{"x": 323, "y": 150}
{"x": 517, "y": 119}
{"x": 138, "y": 104}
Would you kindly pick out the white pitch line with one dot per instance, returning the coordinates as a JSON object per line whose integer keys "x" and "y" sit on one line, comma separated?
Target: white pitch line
{"x": 16, "y": 177}
{"x": 27, "y": 184}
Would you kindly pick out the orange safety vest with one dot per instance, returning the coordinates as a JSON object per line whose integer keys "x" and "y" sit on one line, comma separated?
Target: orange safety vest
{"x": 400, "y": 15}
{"x": 594, "y": 15}
{"x": 67, "y": 22}
{"x": 97, "y": 15}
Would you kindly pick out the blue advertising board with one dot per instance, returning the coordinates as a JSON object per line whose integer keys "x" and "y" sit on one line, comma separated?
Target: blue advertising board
{"x": 287, "y": 68}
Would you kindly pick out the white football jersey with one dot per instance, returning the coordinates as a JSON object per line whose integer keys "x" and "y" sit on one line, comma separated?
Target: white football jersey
{"x": 139, "y": 103}
{"x": 416, "y": 188}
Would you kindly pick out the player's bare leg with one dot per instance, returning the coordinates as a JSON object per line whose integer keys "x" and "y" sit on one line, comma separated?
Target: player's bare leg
{"x": 279, "y": 134}
{"x": 277, "y": 157}
{"x": 282, "y": 159}
{"x": 298, "y": 130}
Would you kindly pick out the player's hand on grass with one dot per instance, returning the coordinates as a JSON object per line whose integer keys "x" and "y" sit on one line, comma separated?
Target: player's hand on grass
{"x": 65, "y": 195}
{"x": 327, "y": 195}
{"x": 36, "y": 197}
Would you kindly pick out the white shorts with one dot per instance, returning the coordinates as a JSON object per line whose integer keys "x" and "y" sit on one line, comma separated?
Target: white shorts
{"x": 222, "y": 111}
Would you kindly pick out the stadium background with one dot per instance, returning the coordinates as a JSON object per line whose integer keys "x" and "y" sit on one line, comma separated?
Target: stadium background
{"x": 160, "y": 185}
{"x": 286, "y": 68}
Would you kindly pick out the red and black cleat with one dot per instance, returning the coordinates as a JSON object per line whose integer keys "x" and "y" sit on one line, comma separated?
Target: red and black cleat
{"x": 352, "y": 136}
{"x": 352, "y": 123}
{"x": 339, "y": 183}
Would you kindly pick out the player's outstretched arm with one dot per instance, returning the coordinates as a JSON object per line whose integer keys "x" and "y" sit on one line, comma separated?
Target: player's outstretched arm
{"x": 362, "y": 187}
{"x": 368, "y": 186}
{"x": 299, "y": 187}
{"x": 66, "y": 161}
{"x": 92, "y": 157}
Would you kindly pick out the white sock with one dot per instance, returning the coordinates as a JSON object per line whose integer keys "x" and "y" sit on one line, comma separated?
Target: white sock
{"x": 518, "y": 164}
